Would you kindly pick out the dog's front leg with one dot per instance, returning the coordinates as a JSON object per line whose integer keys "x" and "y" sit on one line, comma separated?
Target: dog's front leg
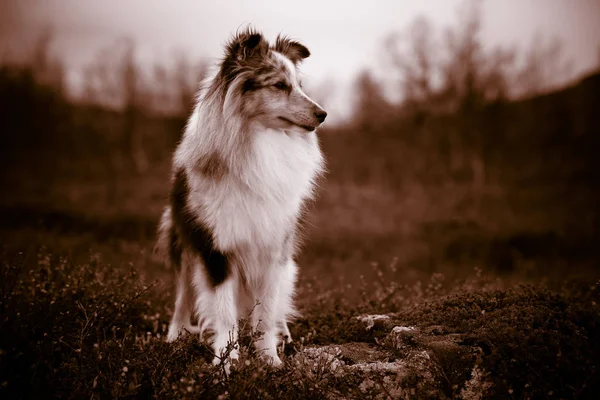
{"x": 184, "y": 305}
{"x": 225, "y": 322}
{"x": 265, "y": 316}
{"x": 285, "y": 307}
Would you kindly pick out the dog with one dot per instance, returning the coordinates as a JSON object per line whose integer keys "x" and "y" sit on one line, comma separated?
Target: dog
{"x": 242, "y": 174}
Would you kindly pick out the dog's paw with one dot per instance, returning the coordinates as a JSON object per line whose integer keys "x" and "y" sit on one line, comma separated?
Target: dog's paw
{"x": 226, "y": 364}
{"x": 176, "y": 331}
{"x": 272, "y": 360}
{"x": 276, "y": 362}
{"x": 172, "y": 336}
{"x": 193, "y": 329}
{"x": 227, "y": 361}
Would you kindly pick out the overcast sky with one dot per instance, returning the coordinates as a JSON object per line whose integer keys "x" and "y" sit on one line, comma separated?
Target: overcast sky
{"x": 343, "y": 36}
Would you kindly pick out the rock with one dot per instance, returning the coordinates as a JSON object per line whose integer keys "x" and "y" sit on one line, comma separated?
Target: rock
{"x": 476, "y": 387}
{"x": 410, "y": 362}
{"x": 369, "y": 320}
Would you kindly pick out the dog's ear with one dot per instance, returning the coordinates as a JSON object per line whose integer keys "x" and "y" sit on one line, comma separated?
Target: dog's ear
{"x": 246, "y": 46}
{"x": 291, "y": 49}
{"x": 243, "y": 50}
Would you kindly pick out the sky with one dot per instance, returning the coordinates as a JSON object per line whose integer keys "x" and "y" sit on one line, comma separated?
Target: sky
{"x": 343, "y": 37}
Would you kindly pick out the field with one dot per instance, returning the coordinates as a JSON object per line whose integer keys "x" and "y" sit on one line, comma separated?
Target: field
{"x": 496, "y": 279}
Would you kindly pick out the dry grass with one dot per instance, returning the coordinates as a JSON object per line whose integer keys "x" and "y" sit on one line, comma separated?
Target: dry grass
{"x": 90, "y": 330}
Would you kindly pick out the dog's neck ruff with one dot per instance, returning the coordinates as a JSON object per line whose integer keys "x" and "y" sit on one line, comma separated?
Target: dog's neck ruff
{"x": 283, "y": 164}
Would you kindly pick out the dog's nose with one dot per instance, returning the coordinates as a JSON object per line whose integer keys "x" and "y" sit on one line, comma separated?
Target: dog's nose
{"x": 321, "y": 115}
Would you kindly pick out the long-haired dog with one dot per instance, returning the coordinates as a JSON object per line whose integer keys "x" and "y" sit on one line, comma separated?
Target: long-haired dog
{"x": 241, "y": 175}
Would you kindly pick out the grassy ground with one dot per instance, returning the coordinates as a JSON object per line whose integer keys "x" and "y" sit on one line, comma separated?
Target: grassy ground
{"x": 90, "y": 330}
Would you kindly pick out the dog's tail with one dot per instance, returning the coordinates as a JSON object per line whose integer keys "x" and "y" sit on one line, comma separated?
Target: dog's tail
{"x": 168, "y": 247}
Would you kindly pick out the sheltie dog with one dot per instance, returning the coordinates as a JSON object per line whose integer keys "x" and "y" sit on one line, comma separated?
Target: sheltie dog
{"x": 242, "y": 173}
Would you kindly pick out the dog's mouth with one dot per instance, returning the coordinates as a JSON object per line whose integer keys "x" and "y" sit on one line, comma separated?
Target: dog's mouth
{"x": 305, "y": 127}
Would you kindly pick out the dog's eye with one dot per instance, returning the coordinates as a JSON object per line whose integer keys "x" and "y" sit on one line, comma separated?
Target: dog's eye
{"x": 281, "y": 85}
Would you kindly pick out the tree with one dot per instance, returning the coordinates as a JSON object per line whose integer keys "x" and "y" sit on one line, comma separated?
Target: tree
{"x": 411, "y": 53}
{"x": 454, "y": 74}
{"x": 371, "y": 108}
{"x": 543, "y": 67}
{"x": 186, "y": 81}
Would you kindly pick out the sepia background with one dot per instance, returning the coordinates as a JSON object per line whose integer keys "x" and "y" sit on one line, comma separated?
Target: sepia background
{"x": 463, "y": 137}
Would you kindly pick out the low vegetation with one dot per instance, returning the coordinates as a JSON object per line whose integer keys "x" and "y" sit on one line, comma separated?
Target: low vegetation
{"x": 89, "y": 330}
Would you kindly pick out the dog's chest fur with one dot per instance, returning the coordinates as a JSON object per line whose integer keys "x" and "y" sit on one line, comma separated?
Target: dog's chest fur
{"x": 257, "y": 209}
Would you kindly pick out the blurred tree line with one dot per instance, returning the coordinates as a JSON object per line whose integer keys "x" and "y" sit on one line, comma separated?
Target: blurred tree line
{"x": 469, "y": 113}
{"x": 125, "y": 119}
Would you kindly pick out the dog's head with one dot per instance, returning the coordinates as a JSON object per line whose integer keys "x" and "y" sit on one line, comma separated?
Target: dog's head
{"x": 264, "y": 79}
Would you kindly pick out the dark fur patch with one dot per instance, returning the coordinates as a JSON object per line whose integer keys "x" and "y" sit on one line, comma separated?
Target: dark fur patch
{"x": 212, "y": 166}
{"x": 194, "y": 235}
{"x": 251, "y": 84}
{"x": 266, "y": 75}
{"x": 244, "y": 52}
